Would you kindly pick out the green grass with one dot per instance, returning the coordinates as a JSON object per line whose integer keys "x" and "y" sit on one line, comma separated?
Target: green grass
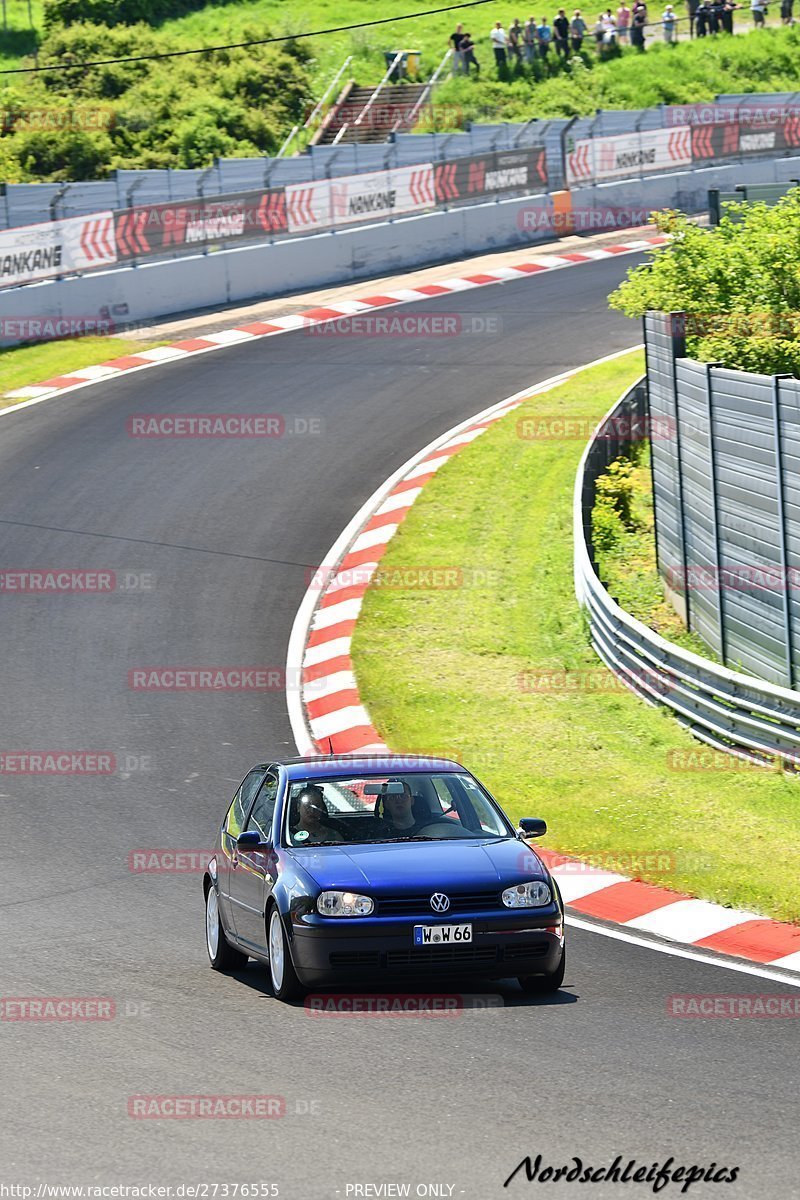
{"x": 25, "y": 366}
{"x": 439, "y": 672}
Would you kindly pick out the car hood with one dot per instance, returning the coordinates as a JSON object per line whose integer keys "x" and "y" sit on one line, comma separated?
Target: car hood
{"x": 463, "y": 865}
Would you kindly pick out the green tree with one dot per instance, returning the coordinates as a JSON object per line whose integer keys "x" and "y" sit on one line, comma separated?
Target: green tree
{"x": 738, "y": 283}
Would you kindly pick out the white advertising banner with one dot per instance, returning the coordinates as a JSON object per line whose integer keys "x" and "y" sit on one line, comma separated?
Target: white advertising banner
{"x": 382, "y": 194}
{"x": 629, "y": 154}
{"x": 34, "y": 252}
{"x": 308, "y": 206}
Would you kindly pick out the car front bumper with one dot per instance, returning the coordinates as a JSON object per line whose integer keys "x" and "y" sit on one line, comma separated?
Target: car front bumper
{"x": 371, "y": 951}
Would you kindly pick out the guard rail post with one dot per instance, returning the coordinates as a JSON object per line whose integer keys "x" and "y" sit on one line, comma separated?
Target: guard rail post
{"x": 712, "y": 477}
{"x": 782, "y": 539}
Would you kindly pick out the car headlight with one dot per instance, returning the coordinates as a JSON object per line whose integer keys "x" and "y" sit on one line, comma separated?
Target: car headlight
{"x": 527, "y": 895}
{"x": 344, "y": 904}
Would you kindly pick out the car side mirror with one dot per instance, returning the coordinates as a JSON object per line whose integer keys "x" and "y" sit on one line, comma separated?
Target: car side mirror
{"x": 533, "y": 826}
{"x": 250, "y": 837}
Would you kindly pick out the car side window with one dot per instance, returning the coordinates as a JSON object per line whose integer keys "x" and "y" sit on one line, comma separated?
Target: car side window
{"x": 234, "y": 822}
{"x": 264, "y": 808}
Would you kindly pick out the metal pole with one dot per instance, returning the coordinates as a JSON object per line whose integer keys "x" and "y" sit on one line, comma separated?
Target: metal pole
{"x": 712, "y": 464}
{"x": 677, "y": 350}
{"x": 779, "y": 482}
{"x": 649, "y": 430}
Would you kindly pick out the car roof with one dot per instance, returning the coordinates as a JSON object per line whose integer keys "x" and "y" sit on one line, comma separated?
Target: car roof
{"x": 318, "y": 767}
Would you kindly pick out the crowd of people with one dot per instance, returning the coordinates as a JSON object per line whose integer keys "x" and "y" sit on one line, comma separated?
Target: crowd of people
{"x": 565, "y": 35}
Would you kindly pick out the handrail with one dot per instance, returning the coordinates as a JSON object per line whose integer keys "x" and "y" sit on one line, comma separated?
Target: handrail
{"x": 727, "y": 710}
{"x": 340, "y": 133}
{"x": 317, "y": 107}
{"x": 434, "y": 79}
{"x": 398, "y": 58}
{"x": 328, "y": 90}
{"x": 282, "y": 151}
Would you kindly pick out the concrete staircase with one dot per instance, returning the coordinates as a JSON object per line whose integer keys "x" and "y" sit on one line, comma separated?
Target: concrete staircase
{"x": 394, "y": 102}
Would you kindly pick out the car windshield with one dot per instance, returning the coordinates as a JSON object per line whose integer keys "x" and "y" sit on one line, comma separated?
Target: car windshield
{"x": 429, "y": 806}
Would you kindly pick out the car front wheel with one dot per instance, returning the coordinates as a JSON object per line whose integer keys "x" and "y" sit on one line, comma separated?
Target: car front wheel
{"x": 221, "y": 954}
{"x": 544, "y": 985}
{"x": 283, "y": 977}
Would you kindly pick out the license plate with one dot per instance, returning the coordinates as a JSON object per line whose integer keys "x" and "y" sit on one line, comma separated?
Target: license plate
{"x": 441, "y": 935}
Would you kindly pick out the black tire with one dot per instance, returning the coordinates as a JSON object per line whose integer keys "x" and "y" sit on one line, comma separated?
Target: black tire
{"x": 545, "y": 985}
{"x": 282, "y": 975}
{"x": 221, "y": 954}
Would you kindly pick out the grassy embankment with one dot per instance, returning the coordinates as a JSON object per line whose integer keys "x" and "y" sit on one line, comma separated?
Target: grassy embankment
{"x": 501, "y": 674}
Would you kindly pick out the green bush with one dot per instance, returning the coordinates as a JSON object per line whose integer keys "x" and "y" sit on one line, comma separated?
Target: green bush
{"x": 63, "y": 13}
{"x": 180, "y": 112}
{"x": 615, "y": 489}
{"x": 738, "y": 283}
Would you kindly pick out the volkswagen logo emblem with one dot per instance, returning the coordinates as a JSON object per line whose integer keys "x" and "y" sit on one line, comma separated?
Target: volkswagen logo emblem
{"x": 439, "y": 902}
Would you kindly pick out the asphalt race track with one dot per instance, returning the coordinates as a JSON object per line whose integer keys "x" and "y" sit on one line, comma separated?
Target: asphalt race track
{"x": 224, "y": 533}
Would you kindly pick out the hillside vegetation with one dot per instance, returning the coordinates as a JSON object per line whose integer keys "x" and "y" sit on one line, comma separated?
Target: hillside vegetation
{"x": 182, "y": 112}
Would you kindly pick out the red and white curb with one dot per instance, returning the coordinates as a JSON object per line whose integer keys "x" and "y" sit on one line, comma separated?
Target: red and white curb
{"x": 313, "y": 316}
{"x": 327, "y": 716}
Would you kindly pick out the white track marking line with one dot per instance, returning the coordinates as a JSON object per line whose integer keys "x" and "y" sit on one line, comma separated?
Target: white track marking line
{"x": 315, "y": 655}
{"x": 744, "y": 968}
{"x": 690, "y": 920}
{"x": 575, "y": 885}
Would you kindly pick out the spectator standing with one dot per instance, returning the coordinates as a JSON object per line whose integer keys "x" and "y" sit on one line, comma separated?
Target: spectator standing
{"x": 530, "y": 39}
{"x": 759, "y": 10}
{"x": 623, "y": 21}
{"x": 638, "y": 22}
{"x": 786, "y": 12}
{"x": 701, "y": 19}
{"x": 515, "y": 36}
{"x": 715, "y": 16}
{"x": 599, "y": 31}
{"x": 498, "y": 36}
{"x": 561, "y": 33}
{"x": 692, "y": 6}
{"x": 726, "y": 18}
{"x": 669, "y": 22}
{"x": 609, "y": 29}
{"x": 468, "y": 50}
{"x": 545, "y": 38}
{"x": 577, "y": 30}
{"x": 456, "y": 39}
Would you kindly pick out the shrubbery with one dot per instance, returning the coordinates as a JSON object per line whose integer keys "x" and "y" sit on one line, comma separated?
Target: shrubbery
{"x": 179, "y": 112}
{"x": 739, "y": 283}
{"x": 62, "y": 13}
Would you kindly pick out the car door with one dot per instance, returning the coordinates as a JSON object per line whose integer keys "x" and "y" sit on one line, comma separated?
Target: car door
{"x": 252, "y": 874}
{"x": 233, "y": 825}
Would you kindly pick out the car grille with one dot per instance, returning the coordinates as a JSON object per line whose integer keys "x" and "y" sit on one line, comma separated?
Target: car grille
{"x": 423, "y": 957}
{"x": 390, "y": 906}
{"x": 356, "y": 958}
{"x": 432, "y": 955}
{"x": 526, "y": 951}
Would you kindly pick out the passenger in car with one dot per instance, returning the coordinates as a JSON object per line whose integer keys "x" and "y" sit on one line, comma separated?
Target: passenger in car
{"x": 313, "y": 819}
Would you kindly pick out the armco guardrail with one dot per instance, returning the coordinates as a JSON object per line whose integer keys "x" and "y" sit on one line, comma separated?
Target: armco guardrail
{"x": 146, "y": 232}
{"x": 725, "y": 709}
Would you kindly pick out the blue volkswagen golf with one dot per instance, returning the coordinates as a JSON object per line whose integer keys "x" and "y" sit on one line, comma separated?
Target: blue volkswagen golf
{"x": 341, "y": 871}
